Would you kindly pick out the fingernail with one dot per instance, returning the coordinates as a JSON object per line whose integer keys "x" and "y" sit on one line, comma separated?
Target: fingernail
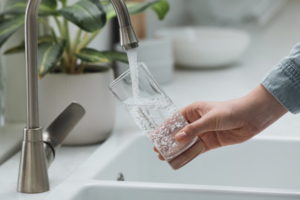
{"x": 181, "y": 136}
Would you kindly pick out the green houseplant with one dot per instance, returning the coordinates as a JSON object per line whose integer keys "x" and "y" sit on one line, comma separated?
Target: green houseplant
{"x": 64, "y": 62}
{"x": 89, "y": 15}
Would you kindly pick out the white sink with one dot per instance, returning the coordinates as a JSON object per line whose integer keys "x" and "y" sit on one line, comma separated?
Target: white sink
{"x": 259, "y": 163}
{"x": 262, "y": 168}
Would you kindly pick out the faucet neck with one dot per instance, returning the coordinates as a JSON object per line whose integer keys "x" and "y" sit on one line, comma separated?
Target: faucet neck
{"x": 128, "y": 37}
{"x": 31, "y": 63}
{"x": 122, "y": 13}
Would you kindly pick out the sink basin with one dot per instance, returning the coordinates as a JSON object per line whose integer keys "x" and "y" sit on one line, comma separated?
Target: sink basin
{"x": 264, "y": 168}
{"x": 258, "y": 163}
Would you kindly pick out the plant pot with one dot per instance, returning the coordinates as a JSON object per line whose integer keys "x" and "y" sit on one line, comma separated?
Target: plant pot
{"x": 58, "y": 90}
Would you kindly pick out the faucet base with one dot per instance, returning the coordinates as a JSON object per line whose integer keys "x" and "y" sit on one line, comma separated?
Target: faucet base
{"x": 33, "y": 176}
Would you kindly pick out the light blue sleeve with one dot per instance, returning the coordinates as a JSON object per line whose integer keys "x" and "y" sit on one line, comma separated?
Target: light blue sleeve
{"x": 283, "y": 81}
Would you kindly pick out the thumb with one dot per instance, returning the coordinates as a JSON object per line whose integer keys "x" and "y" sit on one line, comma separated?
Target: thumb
{"x": 194, "y": 129}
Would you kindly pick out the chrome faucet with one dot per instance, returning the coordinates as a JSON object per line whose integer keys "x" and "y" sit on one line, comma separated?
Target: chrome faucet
{"x": 39, "y": 147}
{"x": 128, "y": 38}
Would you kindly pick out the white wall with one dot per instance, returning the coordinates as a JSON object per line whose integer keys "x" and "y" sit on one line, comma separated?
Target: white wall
{"x": 211, "y": 13}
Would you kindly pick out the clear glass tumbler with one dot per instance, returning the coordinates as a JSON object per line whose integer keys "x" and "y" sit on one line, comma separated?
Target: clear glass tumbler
{"x": 156, "y": 114}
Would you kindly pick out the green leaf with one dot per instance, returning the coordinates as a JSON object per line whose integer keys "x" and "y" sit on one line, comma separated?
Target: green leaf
{"x": 52, "y": 4}
{"x": 89, "y": 15}
{"x": 117, "y": 56}
{"x": 48, "y": 56}
{"x": 93, "y": 56}
{"x": 16, "y": 49}
{"x": 21, "y": 47}
{"x": 105, "y": 2}
{"x": 8, "y": 27}
{"x": 18, "y": 7}
{"x": 160, "y": 7}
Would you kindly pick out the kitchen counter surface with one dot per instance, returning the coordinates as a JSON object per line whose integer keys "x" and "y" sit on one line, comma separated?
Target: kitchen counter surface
{"x": 269, "y": 45}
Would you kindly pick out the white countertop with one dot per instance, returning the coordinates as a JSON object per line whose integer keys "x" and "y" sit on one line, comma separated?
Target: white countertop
{"x": 268, "y": 46}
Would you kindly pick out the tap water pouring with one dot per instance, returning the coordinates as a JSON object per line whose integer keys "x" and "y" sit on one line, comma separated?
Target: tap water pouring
{"x": 134, "y": 71}
{"x": 149, "y": 106}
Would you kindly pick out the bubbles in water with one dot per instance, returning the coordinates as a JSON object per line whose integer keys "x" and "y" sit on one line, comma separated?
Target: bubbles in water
{"x": 161, "y": 120}
{"x": 157, "y": 116}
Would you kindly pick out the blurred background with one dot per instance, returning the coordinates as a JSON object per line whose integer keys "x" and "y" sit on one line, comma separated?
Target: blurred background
{"x": 266, "y": 31}
{"x": 203, "y": 50}
{"x": 269, "y": 28}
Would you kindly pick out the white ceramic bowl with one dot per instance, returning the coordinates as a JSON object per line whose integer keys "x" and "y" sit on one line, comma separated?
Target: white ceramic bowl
{"x": 206, "y": 47}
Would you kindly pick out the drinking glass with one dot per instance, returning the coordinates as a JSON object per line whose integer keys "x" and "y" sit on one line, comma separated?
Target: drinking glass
{"x": 155, "y": 113}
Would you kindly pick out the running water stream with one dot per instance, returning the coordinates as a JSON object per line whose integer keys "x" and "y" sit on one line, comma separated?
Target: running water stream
{"x": 134, "y": 72}
{"x": 159, "y": 117}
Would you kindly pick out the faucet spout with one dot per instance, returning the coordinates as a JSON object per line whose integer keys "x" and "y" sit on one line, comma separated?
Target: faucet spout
{"x": 128, "y": 37}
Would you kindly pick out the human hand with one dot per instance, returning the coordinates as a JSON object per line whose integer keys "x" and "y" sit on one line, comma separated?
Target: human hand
{"x": 220, "y": 124}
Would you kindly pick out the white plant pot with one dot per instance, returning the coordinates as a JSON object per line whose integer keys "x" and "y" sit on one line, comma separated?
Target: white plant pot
{"x": 57, "y": 91}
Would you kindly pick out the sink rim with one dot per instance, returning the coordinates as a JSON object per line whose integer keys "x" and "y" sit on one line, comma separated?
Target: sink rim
{"x": 184, "y": 187}
{"x": 118, "y": 142}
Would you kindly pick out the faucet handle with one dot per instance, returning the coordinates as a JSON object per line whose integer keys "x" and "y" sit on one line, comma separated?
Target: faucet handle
{"x": 58, "y": 130}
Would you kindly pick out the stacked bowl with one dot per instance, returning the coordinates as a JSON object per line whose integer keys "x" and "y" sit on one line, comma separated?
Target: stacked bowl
{"x": 205, "y": 47}
{"x": 157, "y": 55}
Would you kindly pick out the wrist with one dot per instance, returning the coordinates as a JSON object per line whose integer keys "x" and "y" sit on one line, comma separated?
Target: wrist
{"x": 263, "y": 108}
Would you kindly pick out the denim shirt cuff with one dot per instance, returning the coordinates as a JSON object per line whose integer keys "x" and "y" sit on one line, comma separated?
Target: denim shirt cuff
{"x": 283, "y": 82}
